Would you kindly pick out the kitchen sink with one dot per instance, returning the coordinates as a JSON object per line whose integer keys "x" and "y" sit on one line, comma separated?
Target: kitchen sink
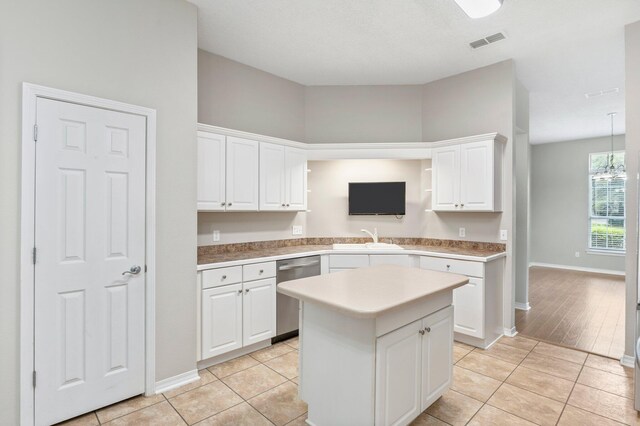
{"x": 369, "y": 246}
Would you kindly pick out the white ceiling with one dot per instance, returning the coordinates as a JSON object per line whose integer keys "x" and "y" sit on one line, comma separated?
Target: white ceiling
{"x": 562, "y": 48}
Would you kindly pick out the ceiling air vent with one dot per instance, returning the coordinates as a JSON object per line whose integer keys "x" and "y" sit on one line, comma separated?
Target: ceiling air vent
{"x": 485, "y": 41}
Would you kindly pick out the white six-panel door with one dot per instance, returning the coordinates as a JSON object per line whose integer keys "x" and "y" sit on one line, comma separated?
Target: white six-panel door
{"x": 211, "y": 172}
{"x": 242, "y": 174}
{"x": 89, "y": 348}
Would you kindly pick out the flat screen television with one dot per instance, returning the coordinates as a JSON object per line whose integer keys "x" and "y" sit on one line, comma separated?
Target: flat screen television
{"x": 377, "y": 198}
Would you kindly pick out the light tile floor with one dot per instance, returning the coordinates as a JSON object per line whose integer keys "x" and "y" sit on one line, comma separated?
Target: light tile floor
{"x": 518, "y": 381}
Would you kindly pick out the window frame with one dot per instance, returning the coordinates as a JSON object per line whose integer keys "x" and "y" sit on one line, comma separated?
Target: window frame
{"x": 590, "y": 217}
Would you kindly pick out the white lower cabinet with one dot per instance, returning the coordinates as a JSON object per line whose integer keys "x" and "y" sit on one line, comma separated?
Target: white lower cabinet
{"x": 258, "y": 311}
{"x": 413, "y": 368}
{"x": 221, "y": 320}
{"x": 469, "y": 303}
{"x": 239, "y": 314}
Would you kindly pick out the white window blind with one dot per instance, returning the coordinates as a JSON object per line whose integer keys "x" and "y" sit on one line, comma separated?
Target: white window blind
{"x": 606, "y": 209}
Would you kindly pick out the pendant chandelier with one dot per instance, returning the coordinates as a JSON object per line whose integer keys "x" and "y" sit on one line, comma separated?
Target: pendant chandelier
{"x": 611, "y": 170}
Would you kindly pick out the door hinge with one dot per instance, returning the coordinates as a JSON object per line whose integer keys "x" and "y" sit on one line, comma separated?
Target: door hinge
{"x": 35, "y": 132}
{"x": 34, "y": 255}
{"x": 34, "y": 379}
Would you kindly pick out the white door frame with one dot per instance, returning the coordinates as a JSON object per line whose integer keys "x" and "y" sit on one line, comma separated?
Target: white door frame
{"x": 30, "y": 95}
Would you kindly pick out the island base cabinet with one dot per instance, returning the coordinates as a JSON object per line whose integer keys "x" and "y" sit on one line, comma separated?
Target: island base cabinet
{"x": 437, "y": 356}
{"x": 413, "y": 368}
{"x": 222, "y": 320}
{"x": 398, "y": 366}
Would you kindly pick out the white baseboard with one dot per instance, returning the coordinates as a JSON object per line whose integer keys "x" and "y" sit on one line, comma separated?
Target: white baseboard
{"x": 578, "y": 268}
{"x": 510, "y": 332}
{"x": 627, "y": 361}
{"x": 523, "y": 306}
{"x": 177, "y": 381}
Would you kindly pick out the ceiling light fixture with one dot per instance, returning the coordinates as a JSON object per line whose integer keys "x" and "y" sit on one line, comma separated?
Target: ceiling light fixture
{"x": 479, "y": 8}
{"x": 611, "y": 170}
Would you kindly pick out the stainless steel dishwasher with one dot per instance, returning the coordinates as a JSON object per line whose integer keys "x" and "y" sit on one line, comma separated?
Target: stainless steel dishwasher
{"x": 287, "y": 315}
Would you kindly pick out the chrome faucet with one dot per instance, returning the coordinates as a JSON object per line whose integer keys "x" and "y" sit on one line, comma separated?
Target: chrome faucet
{"x": 373, "y": 235}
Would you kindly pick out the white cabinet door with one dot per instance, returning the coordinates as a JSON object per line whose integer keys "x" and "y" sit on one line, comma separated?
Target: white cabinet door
{"x": 446, "y": 178}
{"x": 259, "y": 310}
{"x": 476, "y": 176}
{"x": 272, "y": 177}
{"x": 296, "y": 179}
{"x": 242, "y": 174}
{"x": 398, "y": 375}
{"x": 221, "y": 320}
{"x": 437, "y": 356}
{"x": 468, "y": 301}
{"x": 211, "y": 172}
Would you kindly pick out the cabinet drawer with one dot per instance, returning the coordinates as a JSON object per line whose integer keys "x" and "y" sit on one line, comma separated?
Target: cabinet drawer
{"x": 464, "y": 267}
{"x": 348, "y": 260}
{"x": 221, "y": 276}
{"x": 258, "y": 271}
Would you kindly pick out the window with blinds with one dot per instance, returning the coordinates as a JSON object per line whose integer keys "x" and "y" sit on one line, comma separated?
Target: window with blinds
{"x": 606, "y": 210}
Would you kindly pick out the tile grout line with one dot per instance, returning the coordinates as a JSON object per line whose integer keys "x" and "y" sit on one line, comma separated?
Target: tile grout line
{"x": 131, "y": 412}
{"x": 572, "y": 388}
{"x": 502, "y": 383}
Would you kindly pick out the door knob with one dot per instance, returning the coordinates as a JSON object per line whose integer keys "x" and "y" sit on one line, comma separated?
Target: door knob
{"x": 134, "y": 270}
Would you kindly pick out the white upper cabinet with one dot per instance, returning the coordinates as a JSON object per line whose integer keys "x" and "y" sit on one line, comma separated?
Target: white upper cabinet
{"x": 446, "y": 178}
{"x": 272, "y": 177}
{"x": 211, "y": 172}
{"x": 296, "y": 179}
{"x": 467, "y": 177}
{"x": 283, "y": 178}
{"x": 242, "y": 174}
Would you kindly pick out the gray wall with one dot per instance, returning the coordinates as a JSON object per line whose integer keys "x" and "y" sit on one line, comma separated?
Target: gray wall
{"x": 143, "y": 53}
{"x": 560, "y": 204}
{"x": 471, "y": 103}
{"x": 632, "y": 107}
{"x": 237, "y": 96}
{"x": 522, "y": 154}
{"x": 344, "y": 114}
{"x": 329, "y": 202}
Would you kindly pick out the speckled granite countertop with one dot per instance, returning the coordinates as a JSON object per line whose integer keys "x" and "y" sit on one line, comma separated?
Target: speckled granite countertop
{"x": 228, "y": 254}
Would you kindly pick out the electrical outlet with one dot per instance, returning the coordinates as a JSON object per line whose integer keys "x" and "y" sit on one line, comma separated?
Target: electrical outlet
{"x": 503, "y": 235}
{"x": 296, "y": 230}
{"x": 216, "y": 235}
{"x": 577, "y": 254}
{"x": 462, "y": 232}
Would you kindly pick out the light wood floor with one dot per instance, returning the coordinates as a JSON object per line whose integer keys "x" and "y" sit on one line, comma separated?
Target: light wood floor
{"x": 575, "y": 309}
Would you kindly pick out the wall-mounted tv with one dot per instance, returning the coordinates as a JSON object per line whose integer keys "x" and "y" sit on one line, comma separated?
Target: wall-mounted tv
{"x": 377, "y": 198}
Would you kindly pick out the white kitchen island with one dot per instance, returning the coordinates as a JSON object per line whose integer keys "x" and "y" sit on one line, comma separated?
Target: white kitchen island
{"x": 376, "y": 343}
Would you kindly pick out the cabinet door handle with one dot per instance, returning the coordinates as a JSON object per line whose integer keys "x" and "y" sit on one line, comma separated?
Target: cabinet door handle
{"x": 261, "y": 271}
{"x": 288, "y": 205}
{"x": 456, "y": 205}
{"x": 247, "y": 291}
{"x": 239, "y": 291}
{"x": 448, "y": 267}
{"x": 229, "y": 204}
{"x": 461, "y": 205}
{"x": 428, "y": 329}
{"x": 224, "y": 277}
{"x": 223, "y": 204}
{"x": 282, "y": 204}
{"x": 421, "y": 332}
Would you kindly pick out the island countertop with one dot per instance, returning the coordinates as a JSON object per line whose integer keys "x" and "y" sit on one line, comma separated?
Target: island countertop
{"x": 373, "y": 291}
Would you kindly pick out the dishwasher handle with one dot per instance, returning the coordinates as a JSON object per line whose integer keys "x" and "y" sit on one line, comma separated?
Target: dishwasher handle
{"x": 298, "y": 265}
